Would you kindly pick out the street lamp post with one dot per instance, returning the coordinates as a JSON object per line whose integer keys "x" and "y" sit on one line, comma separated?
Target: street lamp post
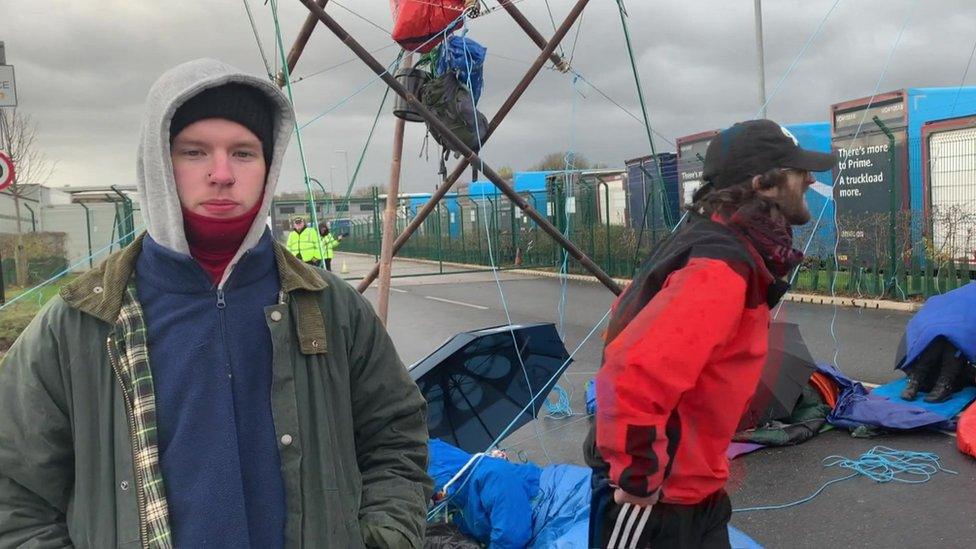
{"x": 760, "y": 61}
{"x": 321, "y": 188}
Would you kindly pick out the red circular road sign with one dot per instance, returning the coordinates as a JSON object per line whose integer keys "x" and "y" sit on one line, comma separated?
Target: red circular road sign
{"x": 6, "y": 171}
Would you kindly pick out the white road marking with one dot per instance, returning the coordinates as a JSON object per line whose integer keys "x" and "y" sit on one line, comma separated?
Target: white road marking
{"x": 398, "y": 290}
{"x": 461, "y": 303}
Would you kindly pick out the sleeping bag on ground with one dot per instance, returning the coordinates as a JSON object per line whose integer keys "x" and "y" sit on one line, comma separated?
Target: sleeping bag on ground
{"x": 492, "y": 499}
{"x": 417, "y": 23}
{"x": 807, "y": 420}
{"x": 508, "y": 505}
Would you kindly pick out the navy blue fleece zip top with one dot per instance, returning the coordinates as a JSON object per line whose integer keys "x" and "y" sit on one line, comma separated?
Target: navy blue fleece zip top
{"x": 211, "y": 358}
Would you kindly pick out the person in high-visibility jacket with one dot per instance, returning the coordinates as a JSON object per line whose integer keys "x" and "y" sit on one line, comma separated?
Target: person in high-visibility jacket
{"x": 303, "y": 242}
{"x": 329, "y": 244}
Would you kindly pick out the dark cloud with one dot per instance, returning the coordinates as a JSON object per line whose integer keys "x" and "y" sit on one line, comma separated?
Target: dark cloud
{"x": 83, "y": 70}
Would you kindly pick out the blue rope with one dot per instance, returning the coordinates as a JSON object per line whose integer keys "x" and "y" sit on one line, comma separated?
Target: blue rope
{"x": 880, "y": 464}
{"x": 569, "y": 164}
{"x": 378, "y": 77}
{"x": 491, "y": 257}
{"x": 857, "y": 132}
{"x": 507, "y": 430}
{"x": 67, "y": 270}
{"x": 562, "y": 408}
{"x": 796, "y": 61}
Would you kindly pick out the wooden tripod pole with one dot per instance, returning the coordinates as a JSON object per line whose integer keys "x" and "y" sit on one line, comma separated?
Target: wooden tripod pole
{"x": 458, "y": 145}
{"x": 389, "y": 214}
{"x": 503, "y": 111}
{"x": 299, "y": 45}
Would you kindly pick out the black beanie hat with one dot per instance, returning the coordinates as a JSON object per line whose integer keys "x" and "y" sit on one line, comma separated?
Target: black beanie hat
{"x": 239, "y": 103}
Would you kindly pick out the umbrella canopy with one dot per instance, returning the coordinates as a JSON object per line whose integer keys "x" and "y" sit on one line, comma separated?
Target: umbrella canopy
{"x": 475, "y": 385}
{"x": 789, "y": 366}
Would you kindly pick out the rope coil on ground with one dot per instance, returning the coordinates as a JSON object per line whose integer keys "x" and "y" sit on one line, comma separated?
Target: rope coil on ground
{"x": 880, "y": 464}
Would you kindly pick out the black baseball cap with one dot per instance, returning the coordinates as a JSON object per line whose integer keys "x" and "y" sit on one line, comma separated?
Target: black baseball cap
{"x": 754, "y": 147}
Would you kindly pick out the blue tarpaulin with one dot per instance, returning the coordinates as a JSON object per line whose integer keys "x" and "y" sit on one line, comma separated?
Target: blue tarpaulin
{"x": 948, "y": 409}
{"x": 508, "y": 505}
{"x": 494, "y": 496}
{"x": 953, "y": 315}
{"x": 857, "y": 407}
{"x": 466, "y": 58}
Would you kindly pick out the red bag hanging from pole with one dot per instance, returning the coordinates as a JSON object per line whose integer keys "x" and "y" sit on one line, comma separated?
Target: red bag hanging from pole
{"x": 416, "y": 23}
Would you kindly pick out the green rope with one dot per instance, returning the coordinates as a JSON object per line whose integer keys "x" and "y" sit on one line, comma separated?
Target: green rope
{"x": 369, "y": 139}
{"x": 647, "y": 120}
{"x": 298, "y": 133}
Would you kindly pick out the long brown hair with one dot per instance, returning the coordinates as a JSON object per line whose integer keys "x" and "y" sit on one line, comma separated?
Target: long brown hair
{"x": 738, "y": 198}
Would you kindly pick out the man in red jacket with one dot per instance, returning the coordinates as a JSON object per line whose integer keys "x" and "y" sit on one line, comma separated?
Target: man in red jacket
{"x": 687, "y": 341}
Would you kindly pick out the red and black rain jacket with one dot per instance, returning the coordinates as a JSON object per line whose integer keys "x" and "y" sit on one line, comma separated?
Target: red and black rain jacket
{"x": 684, "y": 351}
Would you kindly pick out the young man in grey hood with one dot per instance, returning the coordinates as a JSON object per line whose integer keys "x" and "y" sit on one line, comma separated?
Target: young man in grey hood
{"x": 204, "y": 387}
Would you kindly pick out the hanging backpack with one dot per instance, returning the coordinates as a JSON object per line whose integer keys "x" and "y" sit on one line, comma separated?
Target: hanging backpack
{"x": 453, "y": 105}
{"x": 416, "y": 23}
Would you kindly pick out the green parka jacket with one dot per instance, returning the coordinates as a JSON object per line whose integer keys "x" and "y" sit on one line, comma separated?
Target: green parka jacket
{"x": 78, "y": 462}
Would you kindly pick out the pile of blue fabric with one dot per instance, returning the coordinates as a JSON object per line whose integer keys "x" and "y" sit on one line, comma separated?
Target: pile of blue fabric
{"x": 509, "y": 505}
{"x": 883, "y": 407}
{"x": 951, "y": 315}
{"x": 466, "y": 59}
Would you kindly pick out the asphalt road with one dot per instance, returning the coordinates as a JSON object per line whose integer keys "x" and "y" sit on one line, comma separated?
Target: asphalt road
{"x": 426, "y": 311}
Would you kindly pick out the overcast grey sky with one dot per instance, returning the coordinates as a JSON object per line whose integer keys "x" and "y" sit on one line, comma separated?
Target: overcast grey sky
{"x": 83, "y": 69}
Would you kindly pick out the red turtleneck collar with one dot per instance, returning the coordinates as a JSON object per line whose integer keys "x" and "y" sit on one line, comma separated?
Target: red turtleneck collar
{"x": 214, "y": 241}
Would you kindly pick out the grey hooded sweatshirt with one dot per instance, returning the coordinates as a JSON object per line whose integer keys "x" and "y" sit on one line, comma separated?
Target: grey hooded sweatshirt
{"x": 210, "y": 351}
{"x": 157, "y": 187}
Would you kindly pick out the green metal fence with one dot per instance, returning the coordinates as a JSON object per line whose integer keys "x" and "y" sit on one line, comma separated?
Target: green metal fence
{"x": 897, "y": 251}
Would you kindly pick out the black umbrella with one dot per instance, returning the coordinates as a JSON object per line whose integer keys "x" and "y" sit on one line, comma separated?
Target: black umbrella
{"x": 788, "y": 367}
{"x": 475, "y": 385}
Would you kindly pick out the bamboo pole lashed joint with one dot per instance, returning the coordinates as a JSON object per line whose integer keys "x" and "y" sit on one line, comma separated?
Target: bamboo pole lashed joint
{"x": 462, "y": 165}
{"x": 298, "y": 46}
{"x": 533, "y": 33}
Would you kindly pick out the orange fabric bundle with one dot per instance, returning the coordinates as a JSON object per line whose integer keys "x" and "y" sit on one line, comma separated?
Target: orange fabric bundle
{"x": 826, "y": 387}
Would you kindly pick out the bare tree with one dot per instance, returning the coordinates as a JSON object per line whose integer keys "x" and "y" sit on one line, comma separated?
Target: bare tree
{"x": 18, "y": 138}
{"x": 557, "y": 161}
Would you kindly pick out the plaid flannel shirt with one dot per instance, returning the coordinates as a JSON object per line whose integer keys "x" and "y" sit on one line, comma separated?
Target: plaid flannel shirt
{"x": 129, "y": 341}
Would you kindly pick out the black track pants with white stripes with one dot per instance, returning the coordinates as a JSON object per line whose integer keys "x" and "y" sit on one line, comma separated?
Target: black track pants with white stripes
{"x": 661, "y": 526}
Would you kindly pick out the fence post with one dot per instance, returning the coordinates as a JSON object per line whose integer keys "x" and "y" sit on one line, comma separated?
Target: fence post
{"x": 513, "y": 223}
{"x": 440, "y": 245}
{"x": 953, "y": 281}
{"x": 927, "y": 278}
{"x": 815, "y": 275}
{"x": 851, "y": 272}
{"x": 831, "y": 274}
{"x": 495, "y": 230}
{"x": 464, "y": 250}
{"x": 892, "y": 203}
{"x": 3, "y": 284}
{"x": 477, "y": 227}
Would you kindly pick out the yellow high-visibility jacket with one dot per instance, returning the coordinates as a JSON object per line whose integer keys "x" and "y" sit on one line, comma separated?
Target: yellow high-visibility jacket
{"x": 329, "y": 244}
{"x": 305, "y": 245}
